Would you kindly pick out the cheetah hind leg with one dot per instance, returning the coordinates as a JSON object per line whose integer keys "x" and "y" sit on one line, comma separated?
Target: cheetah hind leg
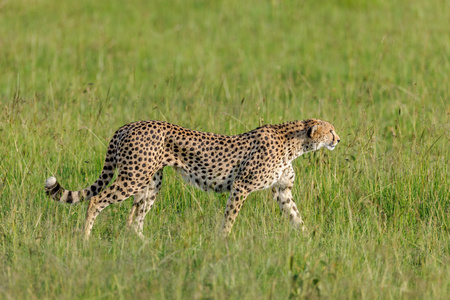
{"x": 234, "y": 204}
{"x": 143, "y": 202}
{"x": 99, "y": 202}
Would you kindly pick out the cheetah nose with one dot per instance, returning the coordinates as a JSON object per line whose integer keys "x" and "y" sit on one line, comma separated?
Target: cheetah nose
{"x": 338, "y": 141}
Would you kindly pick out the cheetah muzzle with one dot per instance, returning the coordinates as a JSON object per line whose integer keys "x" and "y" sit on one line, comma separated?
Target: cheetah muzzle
{"x": 239, "y": 164}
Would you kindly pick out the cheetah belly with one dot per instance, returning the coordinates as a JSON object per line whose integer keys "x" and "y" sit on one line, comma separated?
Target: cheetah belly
{"x": 280, "y": 175}
{"x": 207, "y": 182}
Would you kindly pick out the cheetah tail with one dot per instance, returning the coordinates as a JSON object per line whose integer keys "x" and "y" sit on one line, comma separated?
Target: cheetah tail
{"x": 59, "y": 194}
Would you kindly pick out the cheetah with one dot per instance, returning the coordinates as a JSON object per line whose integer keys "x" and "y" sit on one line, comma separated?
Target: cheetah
{"x": 240, "y": 164}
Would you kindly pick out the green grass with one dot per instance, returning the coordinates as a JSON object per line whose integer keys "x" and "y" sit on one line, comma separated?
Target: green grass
{"x": 377, "y": 207}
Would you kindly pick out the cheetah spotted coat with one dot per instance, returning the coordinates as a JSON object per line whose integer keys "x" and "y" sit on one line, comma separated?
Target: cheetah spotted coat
{"x": 239, "y": 164}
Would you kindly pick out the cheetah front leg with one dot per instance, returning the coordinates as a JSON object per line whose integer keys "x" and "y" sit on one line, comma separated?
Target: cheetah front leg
{"x": 282, "y": 193}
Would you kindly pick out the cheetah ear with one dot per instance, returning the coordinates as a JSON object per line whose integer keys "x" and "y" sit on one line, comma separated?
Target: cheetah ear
{"x": 312, "y": 130}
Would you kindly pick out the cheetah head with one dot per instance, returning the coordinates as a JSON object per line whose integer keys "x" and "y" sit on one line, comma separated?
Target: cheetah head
{"x": 322, "y": 134}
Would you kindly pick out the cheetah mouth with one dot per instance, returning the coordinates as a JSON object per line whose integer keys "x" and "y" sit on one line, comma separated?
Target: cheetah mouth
{"x": 331, "y": 147}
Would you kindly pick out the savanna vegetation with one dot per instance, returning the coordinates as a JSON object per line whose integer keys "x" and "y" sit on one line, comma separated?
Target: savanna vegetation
{"x": 377, "y": 207}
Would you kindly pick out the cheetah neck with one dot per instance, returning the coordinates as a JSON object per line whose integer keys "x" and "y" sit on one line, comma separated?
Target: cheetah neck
{"x": 295, "y": 139}
{"x": 294, "y": 147}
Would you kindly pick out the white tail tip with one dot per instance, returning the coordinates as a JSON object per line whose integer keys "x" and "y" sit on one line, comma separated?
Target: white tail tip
{"x": 50, "y": 182}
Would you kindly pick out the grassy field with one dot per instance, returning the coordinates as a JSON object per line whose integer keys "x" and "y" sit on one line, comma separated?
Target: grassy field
{"x": 377, "y": 208}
